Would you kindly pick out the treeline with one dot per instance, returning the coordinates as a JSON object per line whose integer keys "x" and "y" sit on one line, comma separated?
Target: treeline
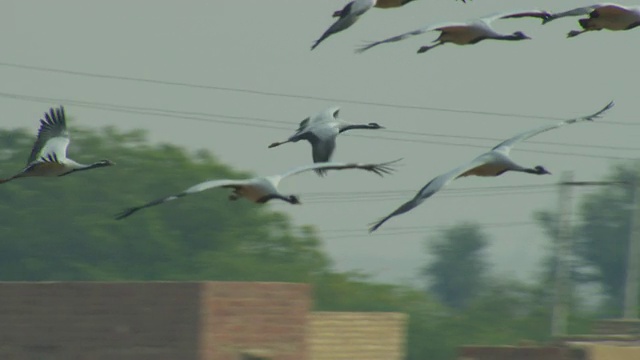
{"x": 63, "y": 229}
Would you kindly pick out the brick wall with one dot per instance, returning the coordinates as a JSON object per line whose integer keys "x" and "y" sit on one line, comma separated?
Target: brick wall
{"x": 608, "y": 352}
{"x": 77, "y": 320}
{"x": 263, "y": 319}
{"x": 356, "y": 336}
{"x": 617, "y": 326}
{"x": 186, "y": 321}
{"x": 520, "y": 353}
{"x": 153, "y": 320}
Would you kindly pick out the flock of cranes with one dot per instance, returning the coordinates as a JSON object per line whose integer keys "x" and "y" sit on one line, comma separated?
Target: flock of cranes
{"x": 49, "y": 158}
{"x": 600, "y": 16}
{"x": 49, "y": 153}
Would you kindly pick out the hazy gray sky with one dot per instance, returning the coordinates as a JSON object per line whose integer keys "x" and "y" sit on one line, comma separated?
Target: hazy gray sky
{"x": 264, "y": 45}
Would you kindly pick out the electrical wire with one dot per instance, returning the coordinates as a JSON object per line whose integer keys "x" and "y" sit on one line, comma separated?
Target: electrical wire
{"x": 282, "y": 95}
{"x": 467, "y": 137}
{"x": 177, "y": 114}
{"x": 399, "y": 231}
{"x": 411, "y": 191}
{"x": 335, "y": 200}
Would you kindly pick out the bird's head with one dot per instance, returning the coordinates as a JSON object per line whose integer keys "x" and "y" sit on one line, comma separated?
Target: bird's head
{"x": 375, "y": 126}
{"x": 294, "y": 200}
{"x": 540, "y": 170}
{"x": 519, "y": 35}
{"x": 546, "y": 17}
{"x": 103, "y": 163}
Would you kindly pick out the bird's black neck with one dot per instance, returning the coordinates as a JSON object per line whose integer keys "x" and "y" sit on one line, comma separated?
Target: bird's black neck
{"x": 269, "y": 197}
{"x": 633, "y": 25}
{"x": 87, "y": 167}
{"x": 534, "y": 171}
{"x": 508, "y": 37}
{"x": 356, "y": 126}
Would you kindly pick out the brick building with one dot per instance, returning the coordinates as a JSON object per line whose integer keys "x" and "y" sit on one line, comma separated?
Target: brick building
{"x": 349, "y": 336}
{"x": 181, "y": 320}
{"x": 612, "y": 340}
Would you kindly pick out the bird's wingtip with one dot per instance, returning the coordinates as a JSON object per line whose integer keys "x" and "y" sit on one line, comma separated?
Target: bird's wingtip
{"x": 125, "y": 213}
{"x": 548, "y": 18}
{"x": 374, "y": 227}
{"x": 376, "y": 224}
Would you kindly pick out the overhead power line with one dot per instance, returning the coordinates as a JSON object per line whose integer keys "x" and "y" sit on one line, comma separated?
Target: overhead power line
{"x": 395, "y": 231}
{"x": 177, "y": 114}
{"x": 335, "y": 200}
{"x": 283, "y": 95}
{"x": 466, "y": 189}
{"x": 372, "y": 196}
{"x": 468, "y": 137}
{"x": 404, "y": 198}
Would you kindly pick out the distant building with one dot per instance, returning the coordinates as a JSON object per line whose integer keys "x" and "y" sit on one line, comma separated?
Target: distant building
{"x": 612, "y": 340}
{"x": 350, "y": 336}
{"x": 186, "y": 321}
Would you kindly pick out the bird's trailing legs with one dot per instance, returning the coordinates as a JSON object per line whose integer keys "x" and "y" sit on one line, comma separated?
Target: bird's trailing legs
{"x": 278, "y": 143}
{"x": 425, "y": 48}
{"x": 574, "y": 33}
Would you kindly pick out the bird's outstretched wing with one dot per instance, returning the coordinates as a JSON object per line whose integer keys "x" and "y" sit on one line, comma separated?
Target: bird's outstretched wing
{"x": 379, "y": 169}
{"x": 486, "y": 19}
{"x": 303, "y": 124}
{"x": 322, "y": 150}
{"x": 576, "y": 12}
{"x": 194, "y": 189}
{"x": 325, "y": 115}
{"x": 53, "y": 137}
{"x": 538, "y": 14}
{"x": 346, "y": 17}
{"x": 432, "y": 187}
{"x": 407, "y": 35}
{"x": 311, "y": 127}
{"x": 345, "y": 11}
{"x": 506, "y": 145}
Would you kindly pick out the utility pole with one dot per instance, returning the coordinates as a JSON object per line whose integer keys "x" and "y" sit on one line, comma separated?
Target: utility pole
{"x": 560, "y": 310}
{"x": 633, "y": 256}
{"x": 562, "y": 246}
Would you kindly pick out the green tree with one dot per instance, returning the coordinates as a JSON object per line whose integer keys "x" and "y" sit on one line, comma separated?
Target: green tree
{"x": 458, "y": 268}
{"x": 601, "y": 236}
{"x": 63, "y": 228}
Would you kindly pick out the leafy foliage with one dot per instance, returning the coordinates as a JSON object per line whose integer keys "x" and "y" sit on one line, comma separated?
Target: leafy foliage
{"x": 457, "y": 272}
{"x": 602, "y": 240}
{"x": 601, "y": 236}
{"x": 63, "y": 228}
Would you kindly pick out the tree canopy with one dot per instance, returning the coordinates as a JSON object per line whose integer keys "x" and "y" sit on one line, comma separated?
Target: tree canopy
{"x": 63, "y": 228}
{"x": 600, "y": 235}
{"x": 458, "y": 269}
